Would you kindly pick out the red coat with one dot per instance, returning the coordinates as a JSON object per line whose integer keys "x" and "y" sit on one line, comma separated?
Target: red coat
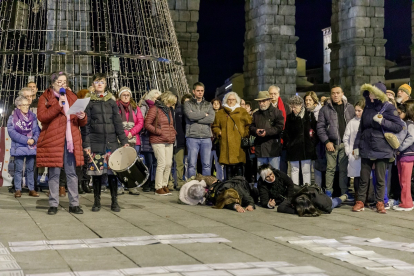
{"x": 165, "y": 132}
{"x": 51, "y": 143}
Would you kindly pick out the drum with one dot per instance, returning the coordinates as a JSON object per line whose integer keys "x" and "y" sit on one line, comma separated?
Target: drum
{"x": 128, "y": 167}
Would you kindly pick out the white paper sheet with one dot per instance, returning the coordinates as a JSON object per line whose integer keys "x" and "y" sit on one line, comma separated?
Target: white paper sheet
{"x": 409, "y": 268}
{"x": 387, "y": 271}
{"x": 65, "y": 242}
{"x": 9, "y": 266}
{"x": 135, "y": 243}
{"x": 207, "y": 273}
{"x": 270, "y": 264}
{"x": 4, "y": 251}
{"x": 176, "y": 241}
{"x": 211, "y": 240}
{"x": 4, "y": 258}
{"x": 322, "y": 249}
{"x": 230, "y": 266}
{"x": 29, "y": 248}
{"x": 12, "y": 273}
{"x": 299, "y": 269}
{"x": 388, "y": 262}
{"x": 67, "y": 246}
{"x": 54, "y": 274}
{"x": 206, "y": 235}
{"x": 130, "y": 239}
{"x": 107, "y": 244}
{"x": 288, "y": 238}
{"x": 366, "y": 254}
{"x": 143, "y": 270}
{"x": 185, "y": 268}
{"x": 27, "y": 243}
{"x": 168, "y": 237}
{"x": 102, "y": 240}
{"x": 78, "y": 106}
{"x": 252, "y": 271}
{"x": 99, "y": 273}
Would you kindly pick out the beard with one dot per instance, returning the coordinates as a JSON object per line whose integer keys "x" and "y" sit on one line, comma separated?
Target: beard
{"x": 399, "y": 100}
{"x": 264, "y": 107}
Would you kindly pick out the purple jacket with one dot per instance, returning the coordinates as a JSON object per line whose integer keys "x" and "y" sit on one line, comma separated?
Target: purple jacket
{"x": 19, "y": 146}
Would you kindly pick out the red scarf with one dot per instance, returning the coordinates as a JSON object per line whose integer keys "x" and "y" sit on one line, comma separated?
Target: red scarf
{"x": 281, "y": 107}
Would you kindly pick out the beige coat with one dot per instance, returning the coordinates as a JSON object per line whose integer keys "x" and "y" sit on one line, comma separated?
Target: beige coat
{"x": 230, "y": 141}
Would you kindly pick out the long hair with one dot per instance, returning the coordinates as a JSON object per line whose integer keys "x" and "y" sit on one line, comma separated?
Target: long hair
{"x": 228, "y": 196}
{"x": 168, "y": 98}
{"x": 409, "y": 110}
{"x": 313, "y": 95}
{"x": 216, "y": 100}
{"x": 304, "y": 207}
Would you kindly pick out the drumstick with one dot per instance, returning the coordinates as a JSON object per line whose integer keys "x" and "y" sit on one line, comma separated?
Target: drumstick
{"x": 94, "y": 163}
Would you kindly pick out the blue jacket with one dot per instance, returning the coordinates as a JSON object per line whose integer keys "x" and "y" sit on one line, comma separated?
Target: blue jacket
{"x": 328, "y": 126}
{"x": 370, "y": 139}
{"x": 19, "y": 146}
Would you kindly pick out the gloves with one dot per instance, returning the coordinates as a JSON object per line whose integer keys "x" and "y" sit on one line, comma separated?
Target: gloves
{"x": 356, "y": 153}
{"x": 378, "y": 118}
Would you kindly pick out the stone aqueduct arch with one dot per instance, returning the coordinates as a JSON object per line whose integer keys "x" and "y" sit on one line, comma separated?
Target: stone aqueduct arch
{"x": 357, "y": 57}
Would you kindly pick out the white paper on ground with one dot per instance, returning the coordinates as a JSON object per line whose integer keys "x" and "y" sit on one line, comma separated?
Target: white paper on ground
{"x": 388, "y": 262}
{"x": 301, "y": 242}
{"x": 54, "y": 274}
{"x": 107, "y": 244}
{"x": 185, "y": 268}
{"x": 1, "y": 245}
{"x": 29, "y": 248}
{"x": 103, "y": 240}
{"x": 252, "y": 271}
{"x": 78, "y": 106}
{"x": 211, "y": 240}
{"x": 11, "y": 265}
{"x": 409, "y": 245}
{"x": 129, "y": 239}
{"x": 409, "y": 268}
{"x": 100, "y": 273}
{"x": 288, "y": 238}
{"x": 4, "y": 251}
{"x": 311, "y": 238}
{"x": 27, "y": 243}
{"x": 143, "y": 270}
{"x": 322, "y": 249}
{"x": 230, "y": 266}
{"x": 7, "y": 258}
{"x": 176, "y": 241}
{"x": 349, "y": 248}
{"x": 299, "y": 269}
{"x": 168, "y": 237}
{"x": 270, "y": 264}
{"x": 306, "y": 274}
{"x": 366, "y": 254}
{"x": 375, "y": 240}
{"x": 206, "y": 235}
{"x": 67, "y": 246}
{"x": 207, "y": 273}
{"x": 65, "y": 242}
{"x": 132, "y": 243}
{"x": 13, "y": 273}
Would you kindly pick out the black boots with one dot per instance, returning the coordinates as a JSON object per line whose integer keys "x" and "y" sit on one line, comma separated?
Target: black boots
{"x": 113, "y": 187}
{"x": 96, "y": 180}
{"x": 80, "y": 190}
{"x": 85, "y": 186}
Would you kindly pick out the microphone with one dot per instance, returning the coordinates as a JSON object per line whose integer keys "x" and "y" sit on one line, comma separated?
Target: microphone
{"x": 62, "y": 92}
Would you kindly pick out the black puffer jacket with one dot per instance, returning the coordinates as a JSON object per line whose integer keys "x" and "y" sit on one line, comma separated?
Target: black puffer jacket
{"x": 180, "y": 126}
{"x": 279, "y": 190}
{"x": 297, "y": 137}
{"x": 104, "y": 127}
{"x": 237, "y": 183}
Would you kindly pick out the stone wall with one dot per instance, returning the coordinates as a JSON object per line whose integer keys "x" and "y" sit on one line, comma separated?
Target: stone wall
{"x": 184, "y": 14}
{"x": 269, "y": 48}
{"x": 358, "y": 52}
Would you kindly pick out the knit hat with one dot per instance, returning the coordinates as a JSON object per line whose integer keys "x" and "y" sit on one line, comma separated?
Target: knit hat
{"x": 210, "y": 180}
{"x": 406, "y": 88}
{"x": 381, "y": 87}
{"x": 390, "y": 91}
{"x": 123, "y": 90}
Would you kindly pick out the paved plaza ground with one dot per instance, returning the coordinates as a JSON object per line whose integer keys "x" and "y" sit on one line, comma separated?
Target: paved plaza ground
{"x": 251, "y": 235}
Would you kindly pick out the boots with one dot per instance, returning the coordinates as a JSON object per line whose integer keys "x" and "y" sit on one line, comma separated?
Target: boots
{"x": 239, "y": 170}
{"x": 85, "y": 186}
{"x": 229, "y": 172}
{"x": 80, "y": 190}
{"x": 96, "y": 180}
{"x": 113, "y": 187}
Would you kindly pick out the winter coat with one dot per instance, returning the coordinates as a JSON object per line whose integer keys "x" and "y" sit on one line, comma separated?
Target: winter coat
{"x": 272, "y": 121}
{"x": 180, "y": 126}
{"x": 230, "y": 142}
{"x": 316, "y": 111}
{"x": 407, "y": 146}
{"x": 104, "y": 127}
{"x": 327, "y": 126}
{"x": 196, "y": 122}
{"x": 145, "y": 143}
{"x": 19, "y": 146}
{"x": 279, "y": 190}
{"x": 370, "y": 138}
{"x": 300, "y": 144}
{"x": 52, "y": 138}
{"x": 161, "y": 129}
{"x": 242, "y": 187}
{"x": 354, "y": 165}
{"x": 139, "y": 124}
{"x": 33, "y": 108}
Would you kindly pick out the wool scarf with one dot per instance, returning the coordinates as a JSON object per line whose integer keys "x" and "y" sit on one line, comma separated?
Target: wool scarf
{"x": 23, "y": 124}
{"x": 69, "y": 139}
{"x": 126, "y": 108}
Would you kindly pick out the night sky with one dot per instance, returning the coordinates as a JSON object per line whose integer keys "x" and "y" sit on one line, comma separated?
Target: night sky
{"x": 222, "y": 26}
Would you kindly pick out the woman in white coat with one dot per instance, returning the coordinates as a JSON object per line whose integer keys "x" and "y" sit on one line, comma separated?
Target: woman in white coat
{"x": 354, "y": 164}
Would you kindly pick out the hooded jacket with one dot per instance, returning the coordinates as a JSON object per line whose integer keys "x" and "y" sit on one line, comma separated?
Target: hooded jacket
{"x": 104, "y": 126}
{"x": 328, "y": 126}
{"x": 197, "y": 123}
{"x": 370, "y": 138}
{"x": 272, "y": 121}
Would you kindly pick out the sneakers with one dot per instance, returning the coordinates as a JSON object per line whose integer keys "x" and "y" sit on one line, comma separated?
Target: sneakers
{"x": 350, "y": 198}
{"x": 160, "y": 192}
{"x": 387, "y": 206}
{"x": 358, "y": 207}
{"x": 120, "y": 191}
{"x": 398, "y": 208}
{"x": 344, "y": 197}
{"x": 167, "y": 191}
{"x": 328, "y": 193}
{"x": 133, "y": 191}
{"x": 381, "y": 208}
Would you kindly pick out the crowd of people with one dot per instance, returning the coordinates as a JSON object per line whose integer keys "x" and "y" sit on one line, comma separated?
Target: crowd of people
{"x": 220, "y": 153}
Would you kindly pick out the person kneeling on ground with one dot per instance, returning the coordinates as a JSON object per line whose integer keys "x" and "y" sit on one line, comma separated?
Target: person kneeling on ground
{"x": 274, "y": 186}
{"x": 310, "y": 201}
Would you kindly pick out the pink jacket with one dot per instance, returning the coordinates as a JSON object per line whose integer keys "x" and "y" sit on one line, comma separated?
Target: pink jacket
{"x": 139, "y": 124}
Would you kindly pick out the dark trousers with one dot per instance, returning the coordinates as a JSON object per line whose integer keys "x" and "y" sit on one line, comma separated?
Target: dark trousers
{"x": 366, "y": 168}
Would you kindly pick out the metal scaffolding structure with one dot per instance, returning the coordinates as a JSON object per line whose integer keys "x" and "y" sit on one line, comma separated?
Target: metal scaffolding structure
{"x": 133, "y": 41}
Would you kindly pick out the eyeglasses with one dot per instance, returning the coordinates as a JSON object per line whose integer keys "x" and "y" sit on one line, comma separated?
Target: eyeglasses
{"x": 61, "y": 82}
{"x": 125, "y": 95}
{"x": 231, "y": 99}
{"x": 99, "y": 82}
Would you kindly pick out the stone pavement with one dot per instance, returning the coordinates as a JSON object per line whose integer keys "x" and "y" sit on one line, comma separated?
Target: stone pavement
{"x": 252, "y": 234}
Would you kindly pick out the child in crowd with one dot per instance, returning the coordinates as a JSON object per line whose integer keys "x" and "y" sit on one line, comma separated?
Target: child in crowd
{"x": 354, "y": 164}
{"x": 405, "y": 159}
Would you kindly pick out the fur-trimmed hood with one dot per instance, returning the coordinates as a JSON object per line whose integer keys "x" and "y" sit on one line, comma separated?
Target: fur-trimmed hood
{"x": 374, "y": 90}
{"x": 94, "y": 97}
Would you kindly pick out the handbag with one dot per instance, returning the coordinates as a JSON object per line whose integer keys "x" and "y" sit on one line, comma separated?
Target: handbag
{"x": 394, "y": 139}
{"x": 245, "y": 142}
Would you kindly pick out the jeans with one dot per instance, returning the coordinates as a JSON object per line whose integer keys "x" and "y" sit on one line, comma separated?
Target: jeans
{"x": 69, "y": 164}
{"x": 164, "y": 155}
{"x": 18, "y": 175}
{"x": 306, "y": 171}
{"x": 334, "y": 157}
{"x": 336, "y": 201}
{"x": 317, "y": 174}
{"x": 151, "y": 163}
{"x": 219, "y": 167}
{"x": 274, "y": 161}
{"x": 194, "y": 146}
